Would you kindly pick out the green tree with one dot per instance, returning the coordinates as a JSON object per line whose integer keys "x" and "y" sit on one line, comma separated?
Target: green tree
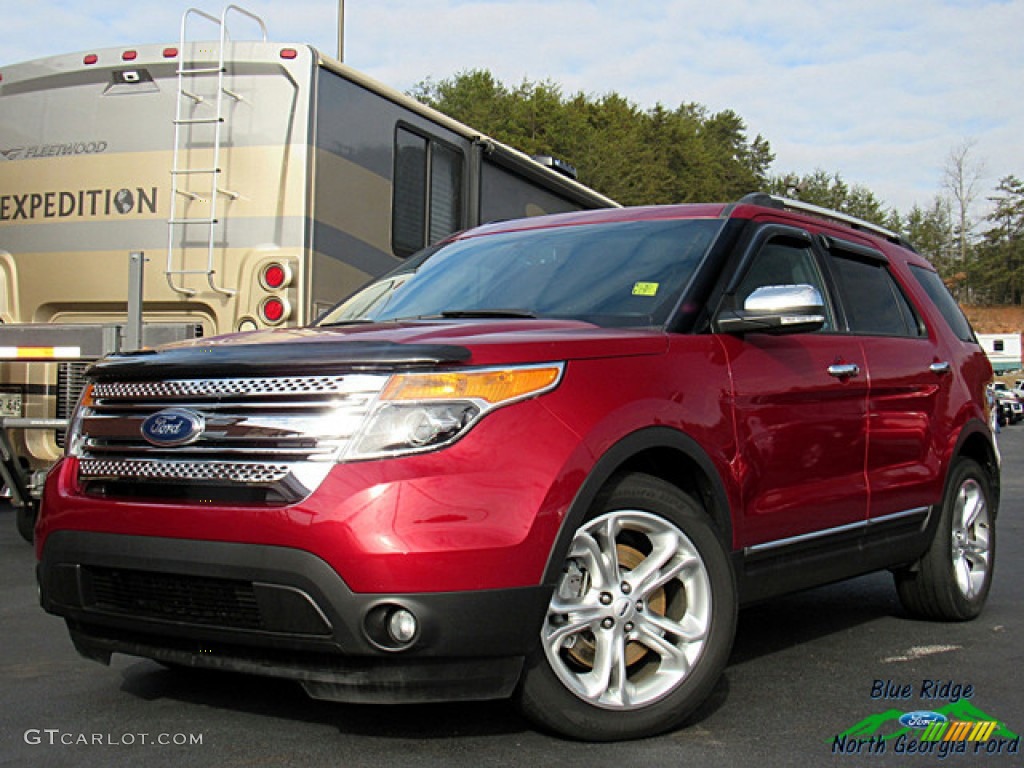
{"x": 475, "y": 97}
{"x": 632, "y": 155}
{"x": 829, "y": 190}
{"x": 999, "y": 267}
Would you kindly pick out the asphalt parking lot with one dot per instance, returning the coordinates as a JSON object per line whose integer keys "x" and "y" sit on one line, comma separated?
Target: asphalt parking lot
{"x": 805, "y": 670}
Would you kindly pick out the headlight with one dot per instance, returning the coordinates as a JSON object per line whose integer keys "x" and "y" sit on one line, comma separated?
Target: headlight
{"x": 419, "y": 412}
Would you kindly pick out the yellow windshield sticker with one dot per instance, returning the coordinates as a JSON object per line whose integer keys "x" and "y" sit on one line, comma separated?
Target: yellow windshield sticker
{"x": 645, "y": 289}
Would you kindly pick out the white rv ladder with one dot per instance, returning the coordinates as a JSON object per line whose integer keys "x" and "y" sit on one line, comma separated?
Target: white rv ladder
{"x": 191, "y": 111}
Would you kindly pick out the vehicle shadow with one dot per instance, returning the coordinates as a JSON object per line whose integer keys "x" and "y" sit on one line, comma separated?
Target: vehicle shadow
{"x": 285, "y": 700}
{"x": 803, "y": 617}
{"x": 764, "y": 630}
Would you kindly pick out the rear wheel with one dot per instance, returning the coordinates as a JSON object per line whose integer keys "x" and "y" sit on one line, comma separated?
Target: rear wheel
{"x": 951, "y": 581}
{"x": 641, "y": 624}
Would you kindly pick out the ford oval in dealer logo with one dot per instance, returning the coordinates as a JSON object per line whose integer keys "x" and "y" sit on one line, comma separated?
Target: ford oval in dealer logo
{"x": 173, "y": 426}
{"x": 921, "y": 719}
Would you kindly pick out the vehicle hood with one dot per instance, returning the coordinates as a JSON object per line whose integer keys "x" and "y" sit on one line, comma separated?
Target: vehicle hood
{"x": 383, "y": 346}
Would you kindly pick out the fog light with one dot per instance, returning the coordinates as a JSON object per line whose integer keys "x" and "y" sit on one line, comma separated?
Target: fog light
{"x": 392, "y": 627}
{"x": 402, "y": 626}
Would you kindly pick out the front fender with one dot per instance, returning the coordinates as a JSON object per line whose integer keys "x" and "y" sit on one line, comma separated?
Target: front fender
{"x": 661, "y": 451}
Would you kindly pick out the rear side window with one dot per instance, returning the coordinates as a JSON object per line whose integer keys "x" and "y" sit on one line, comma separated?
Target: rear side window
{"x": 872, "y": 300}
{"x": 945, "y": 303}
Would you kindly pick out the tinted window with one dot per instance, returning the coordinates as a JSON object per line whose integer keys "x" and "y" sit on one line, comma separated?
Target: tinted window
{"x": 781, "y": 261}
{"x": 427, "y": 204}
{"x": 944, "y": 302}
{"x": 409, "y": 207}
{"x": 872, "y": 300}
{"x": 445, "y": 193}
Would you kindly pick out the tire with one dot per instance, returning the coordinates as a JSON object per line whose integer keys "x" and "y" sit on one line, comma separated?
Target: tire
{"x": 952, "y": 580}
{"x": 26, "y": 520}
{"x": 641, "y": 624}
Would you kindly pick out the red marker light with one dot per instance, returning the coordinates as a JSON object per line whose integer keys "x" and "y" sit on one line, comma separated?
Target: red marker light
{"x": 129, "y": 55}
{"x": 275, "y": 275}
{"x": 170, "y": 53}
{"x": 274, "y": 310}
{"x": 289, "y": 53}
{"x": 90, "y": 58}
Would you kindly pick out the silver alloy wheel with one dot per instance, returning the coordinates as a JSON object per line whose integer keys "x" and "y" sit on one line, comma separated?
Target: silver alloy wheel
{"x": 631, "y": 615}
{"x": 970, "y": 540}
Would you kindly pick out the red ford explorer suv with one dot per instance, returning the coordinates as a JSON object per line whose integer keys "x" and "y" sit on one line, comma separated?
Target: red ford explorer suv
{"x": 547, "y": 459}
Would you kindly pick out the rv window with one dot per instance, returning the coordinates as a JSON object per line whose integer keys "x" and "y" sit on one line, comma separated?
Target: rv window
{"x": 445, "y": 192}
{"x": 408, "y": 209}
{"x": 427, "y": 204}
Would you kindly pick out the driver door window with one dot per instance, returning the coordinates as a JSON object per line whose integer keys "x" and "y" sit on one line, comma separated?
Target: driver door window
{"x": 781, "y": 262}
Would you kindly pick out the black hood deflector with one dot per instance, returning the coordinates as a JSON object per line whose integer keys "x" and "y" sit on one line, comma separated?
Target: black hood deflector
{"x": 292, "y": 359}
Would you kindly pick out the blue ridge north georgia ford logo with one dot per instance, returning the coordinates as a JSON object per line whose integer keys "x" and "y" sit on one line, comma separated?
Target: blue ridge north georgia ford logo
{"x": 173, "y": 426}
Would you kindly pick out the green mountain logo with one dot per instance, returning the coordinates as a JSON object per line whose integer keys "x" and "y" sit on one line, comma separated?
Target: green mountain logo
{"x": 886, "y": 725}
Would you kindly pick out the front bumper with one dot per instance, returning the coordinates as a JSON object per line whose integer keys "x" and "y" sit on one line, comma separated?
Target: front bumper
{"x": 482, "y": 514}
{"x": 282, "y": 612}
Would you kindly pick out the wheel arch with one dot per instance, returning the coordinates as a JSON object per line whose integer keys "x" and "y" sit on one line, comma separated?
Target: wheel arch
{"x": 975, "y": 442}
{"x": 661, "y": 452}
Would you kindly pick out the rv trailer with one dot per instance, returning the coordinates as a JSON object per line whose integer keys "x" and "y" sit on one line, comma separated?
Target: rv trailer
{"x": 212, "y": 186}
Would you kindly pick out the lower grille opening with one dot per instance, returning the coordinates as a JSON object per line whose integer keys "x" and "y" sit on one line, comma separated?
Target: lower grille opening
{"x": 198, "y": 493}
{"x": 174, "y": 597}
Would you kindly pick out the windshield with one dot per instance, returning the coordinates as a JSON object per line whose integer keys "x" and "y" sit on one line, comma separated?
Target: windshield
{"x": 613, "y": 274}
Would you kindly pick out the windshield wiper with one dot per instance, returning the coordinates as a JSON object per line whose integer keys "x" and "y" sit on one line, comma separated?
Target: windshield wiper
{"x": 353, "y": 321}
{"x": 449, "y": 314}
{"x": 499, "y": 313}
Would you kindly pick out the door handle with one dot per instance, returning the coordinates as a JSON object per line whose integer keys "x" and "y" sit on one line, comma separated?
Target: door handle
{"x": 940, "y": 368}
{"x": 844, "y": 370}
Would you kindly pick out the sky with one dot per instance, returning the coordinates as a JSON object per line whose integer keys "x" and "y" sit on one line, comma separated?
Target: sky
{"x": 879, "y": 91}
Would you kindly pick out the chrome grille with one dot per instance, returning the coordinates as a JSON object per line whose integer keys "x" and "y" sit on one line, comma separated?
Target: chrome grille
{"x": 245, "y": 387}
{"x": 229, "y": 472}
{"x": 279, "y": 435}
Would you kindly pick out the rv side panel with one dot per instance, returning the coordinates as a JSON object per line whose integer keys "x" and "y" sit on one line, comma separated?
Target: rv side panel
{"x": 387, "y": 181}
{"x": 506, "y": 195}
{"x": 392, "y": 176}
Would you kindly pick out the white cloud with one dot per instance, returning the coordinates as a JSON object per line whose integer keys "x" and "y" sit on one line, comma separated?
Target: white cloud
{"x": 875, "y": 90}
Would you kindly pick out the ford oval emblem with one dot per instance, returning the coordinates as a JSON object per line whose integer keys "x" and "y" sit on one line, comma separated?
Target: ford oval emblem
{"x": 172, "y": 426}
{"x": 921, "y": 719}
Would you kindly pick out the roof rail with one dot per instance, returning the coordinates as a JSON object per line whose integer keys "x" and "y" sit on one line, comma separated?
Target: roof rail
{"x": 788, "y": 204}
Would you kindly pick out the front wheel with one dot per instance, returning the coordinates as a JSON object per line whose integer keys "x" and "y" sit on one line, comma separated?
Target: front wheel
{"x": 951, "y": 582}
{"x": 641, "y": 623}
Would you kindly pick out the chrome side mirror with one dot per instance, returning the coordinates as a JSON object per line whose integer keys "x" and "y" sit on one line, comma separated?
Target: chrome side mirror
{"x": 777, "y": 309}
